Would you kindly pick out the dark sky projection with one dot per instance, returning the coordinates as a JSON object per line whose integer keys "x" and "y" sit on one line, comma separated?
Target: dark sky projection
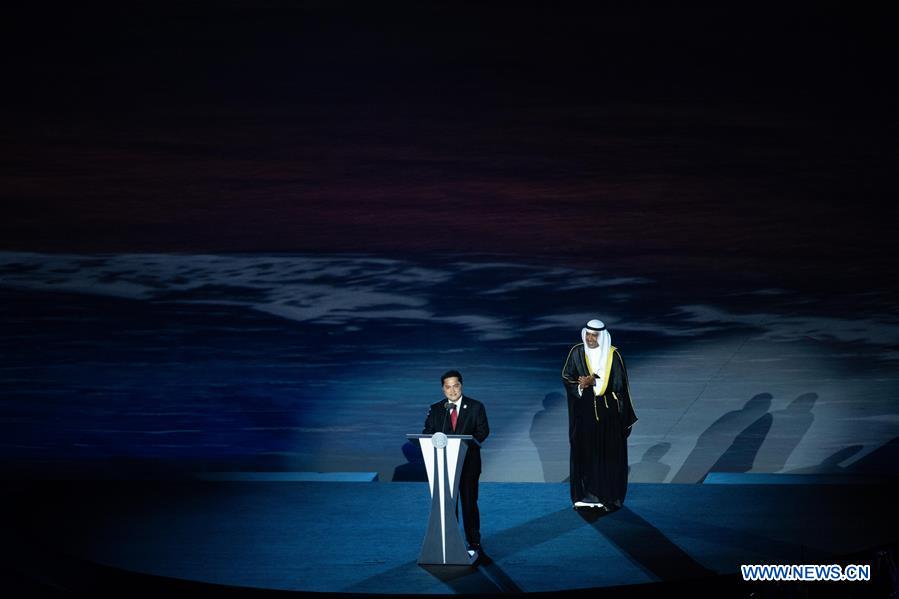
{"x": 212, "y": 212}
{"x": 753, "y": 136}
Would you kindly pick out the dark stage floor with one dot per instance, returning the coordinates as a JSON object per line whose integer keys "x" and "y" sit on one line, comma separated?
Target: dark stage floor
{"x": 365, "y": 537}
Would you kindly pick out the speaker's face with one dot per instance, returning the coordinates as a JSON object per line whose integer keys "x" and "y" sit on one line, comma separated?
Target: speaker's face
{"x": 592, "y": 339}
{"x": 452, "y": 388}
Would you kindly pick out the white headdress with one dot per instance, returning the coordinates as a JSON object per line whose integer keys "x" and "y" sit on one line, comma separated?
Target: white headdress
{"x": 597, "y": 357}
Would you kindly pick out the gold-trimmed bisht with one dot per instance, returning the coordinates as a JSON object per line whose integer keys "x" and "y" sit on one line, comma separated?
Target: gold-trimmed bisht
{"x": 605, "y": 380}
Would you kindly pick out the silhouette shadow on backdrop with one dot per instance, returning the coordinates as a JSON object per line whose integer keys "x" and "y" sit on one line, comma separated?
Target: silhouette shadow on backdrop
{"x": 718, "y": 438}
{"x": 549, "y": 436}
{"x": 414, "y": 468}
{"x": 741, "y": 454}
{"x": 789, "y": 427}
{"x": 883, "y": 461}
{"x": 650, "y": 468}
{"x": 831, "y": 464}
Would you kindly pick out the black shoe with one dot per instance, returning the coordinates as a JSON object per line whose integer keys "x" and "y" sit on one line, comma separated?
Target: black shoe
{"x": 474, "y": 547}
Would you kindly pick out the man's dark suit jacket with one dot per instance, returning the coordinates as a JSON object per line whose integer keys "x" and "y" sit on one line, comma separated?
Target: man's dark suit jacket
{"x": 472, "y": 421}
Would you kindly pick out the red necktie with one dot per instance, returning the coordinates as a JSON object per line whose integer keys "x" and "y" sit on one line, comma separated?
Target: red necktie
{"x": 453, "y": 417}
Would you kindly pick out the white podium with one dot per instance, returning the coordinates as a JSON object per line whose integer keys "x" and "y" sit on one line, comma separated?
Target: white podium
{"x": 444, "y": 542}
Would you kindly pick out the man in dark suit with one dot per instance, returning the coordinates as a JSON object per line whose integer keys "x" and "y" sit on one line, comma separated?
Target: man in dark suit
{"x": 461, "y": 415}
